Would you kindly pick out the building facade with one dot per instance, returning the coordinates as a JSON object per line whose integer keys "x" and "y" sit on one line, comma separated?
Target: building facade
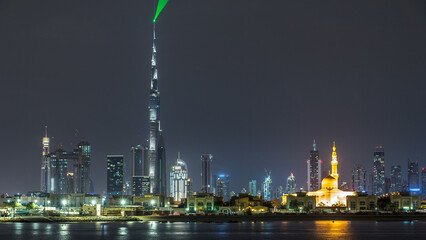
{"x": 423, "y": 184}
{"x": 359, "y": 179}
{"x": 395, "y": 179}
{"x": 179, "y": 180}
{"x": 253, "y": 187}
{"x": 223, "y": 183}
{"x": 139, "y": 156}
{"x": 45, "y": 164}
{"x": 206, "y": 173}
{"x": 314, "y": 170}
{"x": 267, "y": 186}
{"x": 291, "y": 184}
{"x": 413, "y": 177}
{"x": 115, "y": 174}
{"x": 379, "y": 171}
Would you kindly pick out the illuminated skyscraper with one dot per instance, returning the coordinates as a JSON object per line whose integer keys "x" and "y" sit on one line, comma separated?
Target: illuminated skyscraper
{"x": 140, "y": 169}
{"x": 223, "y": 183}
{"x": 395, "y": 179}
{"x": 179, "y": 180}
{"x": 45, "y": 164}
{"x": 161, "y": 177}
{"x": 82, "y": 180}
{"x": 314, "y": 170}
{"x": 291, "y": 184}
{"x": 359, "y": 179}
{"x": 379, "y": 171}
{"x": 115, "y": 170}
{"x": 267, "y": 186}
{"x": 413, "y": 177}
{"x": 253, "y": 188}
{"x": 59, "y": 169}
{"x": 423, "y": 184}
{"x": 206, "y": 173}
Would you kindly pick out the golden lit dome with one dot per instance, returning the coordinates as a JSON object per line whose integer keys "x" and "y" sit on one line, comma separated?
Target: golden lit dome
{"x": 329, "y": 183}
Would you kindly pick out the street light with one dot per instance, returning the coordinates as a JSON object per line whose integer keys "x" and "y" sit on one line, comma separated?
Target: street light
{"x": 93, "y": 202}
{"x": 123, "y": 202}
{"x": 64, "y": 203}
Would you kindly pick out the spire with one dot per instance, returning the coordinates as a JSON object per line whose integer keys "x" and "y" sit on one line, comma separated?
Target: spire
{"x": 315, "y": 145}
{"x": 45, "y": 131}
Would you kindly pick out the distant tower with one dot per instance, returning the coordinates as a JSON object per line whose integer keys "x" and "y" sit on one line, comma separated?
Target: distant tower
{"x": 359, "y": 179}
{"x": 314, "y": 170}
{"x": 379, "y": 171}
{"x": 161, "y": 177}
{"x": 82, "y": 181}
{"x": 253, "y": 187}
{"x": 179, "y": 180}
{"x": 267, "y": 186}
{"x": 291, "y": 184}
{"x": 45, "y": 164}
{"x": 206, "y": 173}
{"x": 223, "y": 183}
{"x": 115, "y": 174}
{"x": 395, "y": 179}
{"x": 413, "y": 177}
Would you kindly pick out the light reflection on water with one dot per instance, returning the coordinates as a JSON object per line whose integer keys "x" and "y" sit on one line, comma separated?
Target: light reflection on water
{"x": 243, "y": 230}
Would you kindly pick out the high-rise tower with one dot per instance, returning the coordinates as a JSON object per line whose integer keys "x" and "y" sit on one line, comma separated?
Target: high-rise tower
{"x": 45, "y": 164}
{"x": 154, "y": 120}
{"x": 379, "y": 172}
{"x": 314, "y": 170}
{"x": 206, "y": 173}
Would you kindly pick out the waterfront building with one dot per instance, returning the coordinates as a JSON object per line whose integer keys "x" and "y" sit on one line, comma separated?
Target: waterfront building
{"x": 406, "y": 201}
{"x": 267, "y": 186}
{"x": 115, "y": 165}
{"x": 206, "y": 173}
{"x": 379, "y": 171}
{"x": 395, "y": 179}
{"x": 203, "y": 203}
{"x": 423, "y": 184}
{"x": 361, "y": 202}
{"x": 303, "y": 201}
{"x": 291, "y": 184}
{"x": 359, "y": 179}
{"x": 45, "y": 164}
{"x": 413, "y": 177}
{"x": 330, "y": 195}
{"x": 253, "y": 187}
{"x": 179, "y": 180}
{"x": 223, "y": 183}
{"x": 314, "y": 170}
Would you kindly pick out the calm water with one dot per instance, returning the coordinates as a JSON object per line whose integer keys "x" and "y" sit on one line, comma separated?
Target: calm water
{"x": 245, "y": 230}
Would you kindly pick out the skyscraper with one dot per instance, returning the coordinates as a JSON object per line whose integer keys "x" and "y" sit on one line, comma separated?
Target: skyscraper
{"x": 267, "y": 186}
{"x": 179, "y": 180}
{"x": 82, "y": 181}
{"x": 359, "y": 179}
{"x": 161, "y": 176}
{"x": 140, "y": 169}
{"x": 223, "y": 183}
{"x": 413, "y": 177}
{"x": 206, "y": 173}
{"x": 253, "y": 188}
{"x": 59, "y": 169}
{"x": 158, "y": 175}
{"x": 423, "y": 184}
{"x": 314, "y": 170}
{"x": 395, "y": 179}
{"x": 45, "y": 164}
{"x": 115, "y": 165}
{"x": 379, "y": 171}
{"x": 291, "y": 184}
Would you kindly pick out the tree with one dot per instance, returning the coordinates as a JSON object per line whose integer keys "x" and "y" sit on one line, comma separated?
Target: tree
{"x": 276, "y": 204}
{"x": 383, "y": 203}
{"x": 294, "y": 205}
{"x": 31, "y": 205}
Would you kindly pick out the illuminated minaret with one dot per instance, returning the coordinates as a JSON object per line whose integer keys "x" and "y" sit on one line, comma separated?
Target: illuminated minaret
{"x": 334, "y": 163}
{"x": 154, "y": 120}
{"x": 45, "y": 164}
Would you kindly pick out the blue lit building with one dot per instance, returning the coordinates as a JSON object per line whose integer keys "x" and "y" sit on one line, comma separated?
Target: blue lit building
{"x": 223, "y": 183}
{"x": 115, "y": 174}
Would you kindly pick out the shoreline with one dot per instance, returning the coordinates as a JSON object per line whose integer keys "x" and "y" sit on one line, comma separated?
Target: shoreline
{"x": 215, "y": 219}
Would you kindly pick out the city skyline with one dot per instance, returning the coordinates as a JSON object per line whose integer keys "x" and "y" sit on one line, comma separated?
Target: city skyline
{"x": 377, "y": 108}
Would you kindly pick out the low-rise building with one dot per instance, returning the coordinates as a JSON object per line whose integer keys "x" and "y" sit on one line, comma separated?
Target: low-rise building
{"x": 361, "y": 202}
{"x": 300, "y": 200}
{"x": 406, "y": 201}
{"x": 203, "y": 203}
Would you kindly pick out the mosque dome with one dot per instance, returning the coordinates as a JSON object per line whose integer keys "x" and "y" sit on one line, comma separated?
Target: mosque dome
{"x": 329, "y": 183}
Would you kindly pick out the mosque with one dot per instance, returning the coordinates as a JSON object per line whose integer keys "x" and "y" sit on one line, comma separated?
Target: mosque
{"x": 330, "y": 195}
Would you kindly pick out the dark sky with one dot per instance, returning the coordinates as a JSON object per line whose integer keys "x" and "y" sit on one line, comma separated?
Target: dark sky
{"x": 250, "y": 81}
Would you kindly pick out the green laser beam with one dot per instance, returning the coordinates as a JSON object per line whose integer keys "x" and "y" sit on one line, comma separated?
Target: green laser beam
{"x": 160, "y": 6}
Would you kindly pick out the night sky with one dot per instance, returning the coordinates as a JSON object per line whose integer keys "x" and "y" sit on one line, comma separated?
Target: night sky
{"x": 250, "y": 81}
